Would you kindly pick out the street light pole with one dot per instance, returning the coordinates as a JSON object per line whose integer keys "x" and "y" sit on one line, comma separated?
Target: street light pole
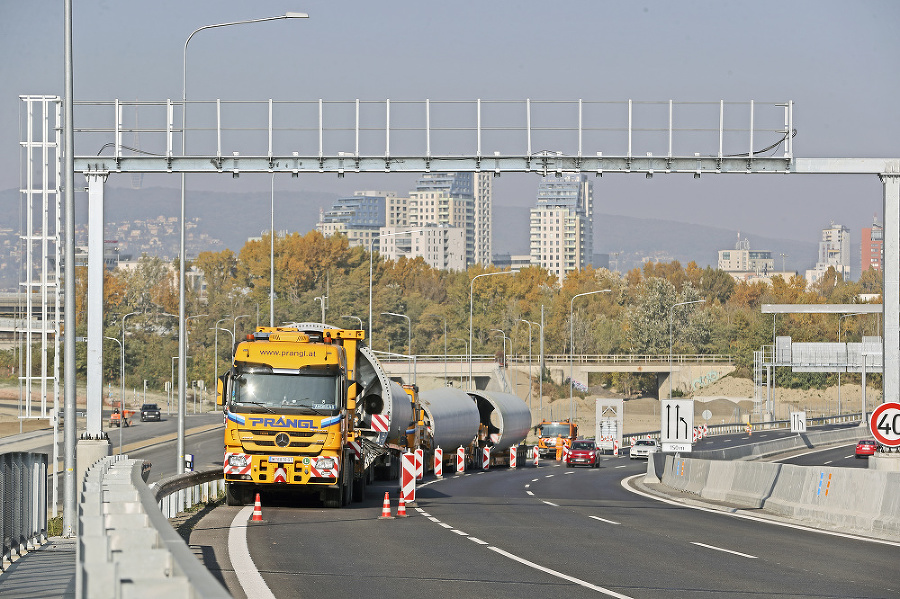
{"x": 122, "y": 381}
{"x": 445, "y": 344}
{"x": 461, "y": 363}
{"x": 409, "y": 337}
{"x": 541, "y": 365}
{"x": 671, "y": 312}
{"x": 272, "y": 261}
{"x": 372, "y": 251}
{"x": 471, "y": 302}
{"x": 356, "y": 317}
{"x": 530, "y": 367}
{"x": 182, "y": 349}
{"x": 572, "y": 350}
{"x": 841, "y": 318}
{"x": 123, "y": 354}
{"x": 216, "y": 351}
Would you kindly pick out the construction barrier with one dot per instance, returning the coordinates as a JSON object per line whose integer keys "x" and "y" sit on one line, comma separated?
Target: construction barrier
{"x": 461, "y": 460}
{"x": 537, "y": 456}
{"x": 486, "y": 458}
{"x": 512, "y": 455}
{"x": 408, "y": 478}
{"x": 420, "y": 464}
{"x": 439, "y": 462}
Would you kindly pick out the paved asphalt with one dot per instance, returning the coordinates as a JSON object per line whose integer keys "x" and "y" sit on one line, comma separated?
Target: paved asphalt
{"x": 580, "y": 531}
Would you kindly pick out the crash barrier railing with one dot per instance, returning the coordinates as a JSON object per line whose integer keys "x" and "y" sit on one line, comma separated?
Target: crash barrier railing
{"x": 740, "y": 427}
{"x": 854, "y": 500}
{"x": 126, "y": 546}
{"x": 180, "y": 492}
{"x": 23, "y": 503}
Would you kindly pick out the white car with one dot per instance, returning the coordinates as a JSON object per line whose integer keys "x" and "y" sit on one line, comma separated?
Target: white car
{"x": 643, "y": 448}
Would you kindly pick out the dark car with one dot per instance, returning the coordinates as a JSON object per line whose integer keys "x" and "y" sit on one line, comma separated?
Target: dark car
{"x": 866, "y": 447}
{"x": 583, "y": 453}
{"x": 150, "y": 411}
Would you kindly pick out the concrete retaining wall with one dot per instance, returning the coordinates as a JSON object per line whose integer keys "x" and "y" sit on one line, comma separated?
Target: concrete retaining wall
{"x": 864, "y": 502}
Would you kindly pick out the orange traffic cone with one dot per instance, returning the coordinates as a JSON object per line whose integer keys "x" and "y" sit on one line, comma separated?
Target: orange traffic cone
{"x": 257, "y": 511}
{"x": 386, "y": 509}
{"x": 401, "y": 507}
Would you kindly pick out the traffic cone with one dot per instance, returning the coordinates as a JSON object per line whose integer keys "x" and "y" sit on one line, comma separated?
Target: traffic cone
{"x": 401, "y": 507}
{"x": 257, "y": 511}
{"x": 386, "y": 509}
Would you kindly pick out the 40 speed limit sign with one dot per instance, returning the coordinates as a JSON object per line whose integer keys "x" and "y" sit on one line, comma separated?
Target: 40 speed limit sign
{"x": 885, "y": 424}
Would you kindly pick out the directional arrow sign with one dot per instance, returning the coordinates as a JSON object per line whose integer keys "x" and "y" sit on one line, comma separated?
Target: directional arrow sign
{"x": 677, "y": 424}
{"x": 798, "y": 422}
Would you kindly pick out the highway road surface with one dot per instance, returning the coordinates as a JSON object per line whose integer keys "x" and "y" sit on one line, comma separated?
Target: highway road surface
{"x": 551, "y": 531}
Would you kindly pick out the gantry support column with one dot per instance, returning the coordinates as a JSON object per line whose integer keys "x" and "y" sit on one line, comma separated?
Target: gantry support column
{"x": 891, "y": 297}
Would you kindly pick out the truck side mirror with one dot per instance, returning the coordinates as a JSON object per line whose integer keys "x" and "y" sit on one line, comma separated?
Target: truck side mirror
{"x": 220, "y": 390}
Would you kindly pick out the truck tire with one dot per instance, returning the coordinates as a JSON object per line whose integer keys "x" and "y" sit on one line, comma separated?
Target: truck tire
{"x": 333, "y": 497}
{"x": 234, "y": 495}
{"x": 348, "y": 475}
{"x": 359, "y": 487}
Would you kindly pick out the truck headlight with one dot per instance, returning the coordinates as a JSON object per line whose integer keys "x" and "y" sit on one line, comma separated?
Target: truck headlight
{"x": 325, "y": 463}
{"x": 239, "y": 461}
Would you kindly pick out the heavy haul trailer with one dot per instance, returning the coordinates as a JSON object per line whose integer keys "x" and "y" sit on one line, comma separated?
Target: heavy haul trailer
{"x": 474, "y": 420}
{"x": 309, "y": 409}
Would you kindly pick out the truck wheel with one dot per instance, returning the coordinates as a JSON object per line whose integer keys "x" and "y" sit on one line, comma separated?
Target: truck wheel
{"x": 333, "y": 497}
{"x": 359, "y": 487}
{"x": 234, "y": 495}
{"x": 348, "y": 475}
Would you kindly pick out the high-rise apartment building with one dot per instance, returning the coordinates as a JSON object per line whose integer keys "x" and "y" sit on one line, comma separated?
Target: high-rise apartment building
{"x": 359, "y": 217}
{"x": 744, "y": 264}
{"x": 461, "y": 200}
{"x": 834, "y": 250}
{"x": 871, "y": 247}
{"x": 561, "y": 224}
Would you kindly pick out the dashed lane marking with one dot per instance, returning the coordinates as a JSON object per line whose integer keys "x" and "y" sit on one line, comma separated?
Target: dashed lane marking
{"x": 550, "y": 503}
{"x": 530, "y": 493}
{"x": 724, "y": 550}
{"x": 445, "y": 525}
{"x": 477, "y": 540}
{"x": 603, "y": 520}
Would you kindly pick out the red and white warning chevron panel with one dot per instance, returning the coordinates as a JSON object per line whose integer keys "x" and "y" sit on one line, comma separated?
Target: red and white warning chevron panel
{"x": 420, "y": 464}
{"x": 357, "y": 449}
{"x": 280, "y": 475}
{"x": 408, "y": 477}
{"x": 439, "y": 462}
{"x": 486, "y": 458}
{"x": 239, "y": 458}
{"x": 512, "y": 456}
{"x": 381, "y": 423}
{"x": 461, "y": 460}
{"x": 320, "y": 467}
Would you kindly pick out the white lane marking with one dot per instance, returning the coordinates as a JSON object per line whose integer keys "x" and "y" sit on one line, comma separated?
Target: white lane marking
{"x": 828, "y": 462}
{"x": 239, "y": 553}
{"x": 445, "y": 525}
{"x": 433, "y": 519}
{"x": 816, "y": 450}
{"x": 577, "y": 581}
{"x": 421, "y": 511}
{"x": 482, "y": 472}
{"x": 848, "y": 456}
{"x": 534, "y": 480}
{"x": 725, "y": 550}
{"x": 459, "y": 532}
{"x": 603, "y": 519}
{"x": 550, "y": 476}
{"x": 526, "y": 486}
{"x": 627, "y": 487}
{"x": 622, "y": 466}
{"x": 744, "y": 438}
{"x": 551, "y": 503}
{"x": 530, "y": 493}
{"x": 570, "y": 473}
{"x": 479, "y": 541}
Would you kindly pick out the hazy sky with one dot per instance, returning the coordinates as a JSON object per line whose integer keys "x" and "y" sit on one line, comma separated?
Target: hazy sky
{"x": 835, "y": 60}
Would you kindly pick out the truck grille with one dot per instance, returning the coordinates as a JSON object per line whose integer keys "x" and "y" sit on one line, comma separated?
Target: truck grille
{"x": 299, "y": 441}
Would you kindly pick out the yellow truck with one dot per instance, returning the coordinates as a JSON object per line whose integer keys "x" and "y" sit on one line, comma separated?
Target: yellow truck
{"x": 551, "y": 431}
{"x": 309, "y": 409}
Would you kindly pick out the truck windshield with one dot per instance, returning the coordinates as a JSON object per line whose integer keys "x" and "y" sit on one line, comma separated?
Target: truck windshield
{"x": 285, "y": 393}
{"x": 555, "y": 430}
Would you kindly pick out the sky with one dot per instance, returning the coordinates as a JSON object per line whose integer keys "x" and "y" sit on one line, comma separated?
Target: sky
{"x": 835, "y": 60}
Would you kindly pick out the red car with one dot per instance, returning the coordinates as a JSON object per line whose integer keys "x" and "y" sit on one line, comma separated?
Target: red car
{"x": 583, "y": 453}
{"x": 866, "y": 447}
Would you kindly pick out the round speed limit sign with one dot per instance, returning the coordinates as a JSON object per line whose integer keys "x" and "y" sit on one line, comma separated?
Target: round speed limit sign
{"x": 885, "y": 424}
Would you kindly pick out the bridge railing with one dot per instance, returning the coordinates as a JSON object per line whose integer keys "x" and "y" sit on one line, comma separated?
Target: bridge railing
{"x": 563, "y": 359}
{"x": 23, "y": 502}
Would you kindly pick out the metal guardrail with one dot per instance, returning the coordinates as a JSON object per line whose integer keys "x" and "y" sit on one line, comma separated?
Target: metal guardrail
{"x": 23, "y": 503}
{"x": 739, "y": 427}
{"x": 126, "y": 546}
{"x": 198, "y": 487}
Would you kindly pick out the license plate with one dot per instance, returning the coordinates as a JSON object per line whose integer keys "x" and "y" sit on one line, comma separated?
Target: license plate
{"x": 281, "y": 459}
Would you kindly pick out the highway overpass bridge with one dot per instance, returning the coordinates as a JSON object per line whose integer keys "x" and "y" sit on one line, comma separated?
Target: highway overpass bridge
{"x": 690, "y": 372}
